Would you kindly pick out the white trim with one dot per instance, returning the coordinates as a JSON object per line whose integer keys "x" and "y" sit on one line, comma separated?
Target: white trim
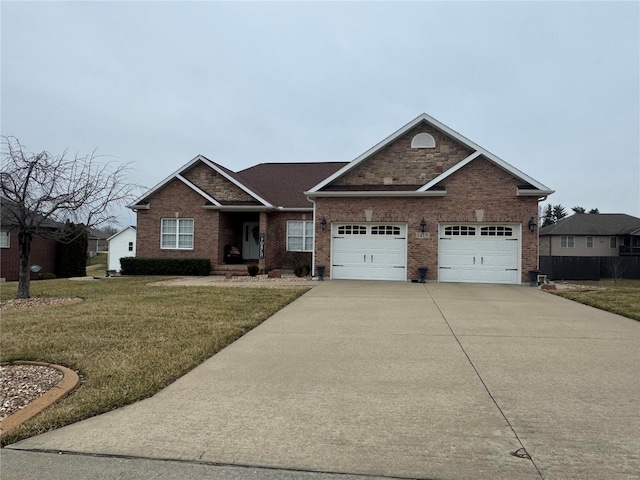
{"x": 378, "y": 193}
{"x": 443, "y": 128}
{"x": 177, "y": 235}
{"x": 449, "y": 172}
{"x": 6, "y": 234}
{"x": 238, "y": 208}
{"x": 199, "y": 158}
{"x": 197, "y": 190}
{"x": 121, "y": 231}
{"x": 235, "y": 182}
{"x": 529, "y": 192}
{"x": 295, "y": 209}
{"x": 304, "y": 235}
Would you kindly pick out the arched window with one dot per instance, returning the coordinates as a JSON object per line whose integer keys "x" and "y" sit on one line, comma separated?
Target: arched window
{"x": 423, "y": 140}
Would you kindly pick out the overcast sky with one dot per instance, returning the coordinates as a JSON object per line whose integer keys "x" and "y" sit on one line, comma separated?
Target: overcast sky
{"x": 551, "y": 88}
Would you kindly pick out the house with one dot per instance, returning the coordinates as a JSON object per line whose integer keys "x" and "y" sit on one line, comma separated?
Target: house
{"x": 591, "y": 235}
{"x": 96, "y": 241}
{"x": 43, "y": 250}
{"x": 121, "y": 244}
{"x": 424, "y": 197}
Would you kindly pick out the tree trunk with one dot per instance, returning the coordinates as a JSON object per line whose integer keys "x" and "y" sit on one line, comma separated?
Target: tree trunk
{"x": 24, "y": 277}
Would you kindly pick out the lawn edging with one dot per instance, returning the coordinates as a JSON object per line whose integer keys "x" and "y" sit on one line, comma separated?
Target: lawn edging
{"x": 68, "y": 384}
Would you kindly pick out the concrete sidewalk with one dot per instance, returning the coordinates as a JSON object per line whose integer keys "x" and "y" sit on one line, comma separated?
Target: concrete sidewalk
{"x": 401, "y": 380}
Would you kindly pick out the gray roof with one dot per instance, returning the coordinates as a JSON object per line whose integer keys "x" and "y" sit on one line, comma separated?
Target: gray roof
{"x": 593, "y": 224}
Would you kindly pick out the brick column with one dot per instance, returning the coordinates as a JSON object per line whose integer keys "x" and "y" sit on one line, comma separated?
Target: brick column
{"x": 262, "y": 263}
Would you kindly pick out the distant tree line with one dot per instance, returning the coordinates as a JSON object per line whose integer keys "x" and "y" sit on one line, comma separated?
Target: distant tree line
{"x": 552, "y": 213}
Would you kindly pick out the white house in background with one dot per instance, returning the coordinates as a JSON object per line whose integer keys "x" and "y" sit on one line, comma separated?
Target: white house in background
{"x": 121, "y": 244}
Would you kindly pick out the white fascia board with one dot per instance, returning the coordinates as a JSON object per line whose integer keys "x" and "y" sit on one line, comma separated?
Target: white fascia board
{"x": 238, "y": 184}
{"x": 144, "y": 206}
{"x": 451, "y": 171}
{"x": 369, "y": 152}
{"x": 239, "y": 208}
{"x": 377, "y": 193}
{"x": 153, "y": 190}
{"x": 118, "y": 233}
{"x": 197, "y": 190}
{"x": 295, "y": 209}
{"x": 524, "y": 192}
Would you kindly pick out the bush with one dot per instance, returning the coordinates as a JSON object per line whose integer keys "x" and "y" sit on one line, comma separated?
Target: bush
{"x": 165, "y": 266}
{"x": 302, "y": 270}
{"x": 253, "y": 269}
{"x": 71, "y": 252}
{"x": 48, "y": 276}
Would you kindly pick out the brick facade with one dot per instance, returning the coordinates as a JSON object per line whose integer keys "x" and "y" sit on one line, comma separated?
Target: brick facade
{"x": 43, "y": 253}
{"x": 479, "y": 186}
{"x": 214, "y": 184}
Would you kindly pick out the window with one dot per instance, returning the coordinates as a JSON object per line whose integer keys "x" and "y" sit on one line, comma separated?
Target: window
{"x": 460, "y": 230}
{"x": 131, "y": 246}
{"x": 589, "y": 242}
{"x": 385, "y": 230}
{"x": 613, "y": 242}
{"x": 352, "y": 230}
{"x": 299, "y": 236}
{"x": 177, "y": 233}
{"x": 4, "y": 239}
{"x": 567, "y": 242}
{"x": 423, "y": 140}
{"x": 496, "y": 231}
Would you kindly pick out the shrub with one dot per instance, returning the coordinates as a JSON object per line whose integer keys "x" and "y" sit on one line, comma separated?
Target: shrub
{"x": 302, "y": 270}
{"x": 71, "y": 251}
{"x": 47, "y": 276}
{"x": 253, "y": 269}
{"x": 165, "y": 266}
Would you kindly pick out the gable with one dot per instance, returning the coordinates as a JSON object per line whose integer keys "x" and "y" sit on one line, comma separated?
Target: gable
{"x": 480, "y": 178}
{"x": 400, "y": 165}
{"x": 215, "y": 185}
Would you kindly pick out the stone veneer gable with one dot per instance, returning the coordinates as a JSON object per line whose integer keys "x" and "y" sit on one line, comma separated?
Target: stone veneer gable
{"x": 399, "y": 164}
{"x": 214, "y": 184}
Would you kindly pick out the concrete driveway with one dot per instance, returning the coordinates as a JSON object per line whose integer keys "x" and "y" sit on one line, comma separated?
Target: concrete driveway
{"x": 444, "y": 381}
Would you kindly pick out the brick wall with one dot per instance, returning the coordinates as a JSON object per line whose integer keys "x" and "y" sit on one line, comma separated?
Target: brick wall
{"x": 43, "y": 253}
{"x": 399, "y": 164}
{"x": 276, "y": 255}
{"x": 178, "y": 200}
{"x": 479, "y": 186}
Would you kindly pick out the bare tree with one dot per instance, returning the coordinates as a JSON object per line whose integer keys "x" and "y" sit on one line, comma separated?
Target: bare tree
{"x": 615, "y": 267}
{"x": 43, "y": 191}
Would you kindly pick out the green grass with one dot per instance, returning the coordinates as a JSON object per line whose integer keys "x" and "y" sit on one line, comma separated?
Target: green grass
{"x": 98, "y": 259}
{"x": 127, "y": 339}
{"x": 621, "y": 297}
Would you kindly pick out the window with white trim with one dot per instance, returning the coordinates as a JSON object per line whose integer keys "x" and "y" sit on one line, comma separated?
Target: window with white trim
{"x": 131, "y": 246}
{"x": 589, "y": 242}
{"x": 352, "y": 230}
{"x": 567, "y": 241}
{"x": 613, "y": 242}
{"x": 176, "y": 233}
{"x": 385, "y": 230}
{"x": 496, "y": 231}
{"x": 5, "y": 239}
{"x": 300, "y": 236}
{"x": 460, "y": 230}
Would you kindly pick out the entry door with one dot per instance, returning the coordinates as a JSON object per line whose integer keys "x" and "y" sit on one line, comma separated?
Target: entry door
{"x": 250, "y": 240}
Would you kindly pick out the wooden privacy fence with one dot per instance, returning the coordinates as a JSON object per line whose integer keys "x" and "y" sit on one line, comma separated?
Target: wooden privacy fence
{"x": 589, "y": 268}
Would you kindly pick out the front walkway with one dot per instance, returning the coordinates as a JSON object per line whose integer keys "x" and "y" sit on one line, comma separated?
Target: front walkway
{"x": 400, "y": 379}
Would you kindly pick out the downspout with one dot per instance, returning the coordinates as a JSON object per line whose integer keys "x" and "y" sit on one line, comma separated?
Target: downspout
{"x": 313, "y": 252}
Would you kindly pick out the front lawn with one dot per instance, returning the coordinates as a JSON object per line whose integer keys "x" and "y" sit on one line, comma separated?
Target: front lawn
{"x": 126, "y": 339}
{"x": 621, "y": 297}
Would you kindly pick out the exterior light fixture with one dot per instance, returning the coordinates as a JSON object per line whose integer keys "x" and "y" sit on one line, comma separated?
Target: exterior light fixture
{"x": 323, "y": 223}
{"x": 532, "y": 225}
{"x": 423, "y": 224}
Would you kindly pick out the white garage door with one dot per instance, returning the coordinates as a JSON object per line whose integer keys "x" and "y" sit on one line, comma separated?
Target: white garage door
{"x": 479, "y": 253}
{"x": 369, "y": 252}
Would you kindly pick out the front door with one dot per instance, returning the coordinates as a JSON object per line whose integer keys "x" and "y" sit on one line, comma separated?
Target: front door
{"x": 250, "y": 240}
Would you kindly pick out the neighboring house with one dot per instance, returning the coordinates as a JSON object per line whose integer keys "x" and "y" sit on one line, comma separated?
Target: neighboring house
{"x": 592, "y": 235}
{"x": 121, "y": 244}
{"x": 97, "y": 241}
{"x": 423, "y": 197}
{"x": 43, "y": 250}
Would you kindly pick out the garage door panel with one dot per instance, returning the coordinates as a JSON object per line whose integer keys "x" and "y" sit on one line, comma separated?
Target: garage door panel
{"x": 368, "y": 256}
{"x": 479, "y": 253}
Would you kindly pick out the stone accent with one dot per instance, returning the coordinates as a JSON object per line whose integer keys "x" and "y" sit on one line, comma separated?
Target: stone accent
{"x": 481, "y": 185}
{"x": 211, "y": 182}
{"x": 399, "y": 164}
